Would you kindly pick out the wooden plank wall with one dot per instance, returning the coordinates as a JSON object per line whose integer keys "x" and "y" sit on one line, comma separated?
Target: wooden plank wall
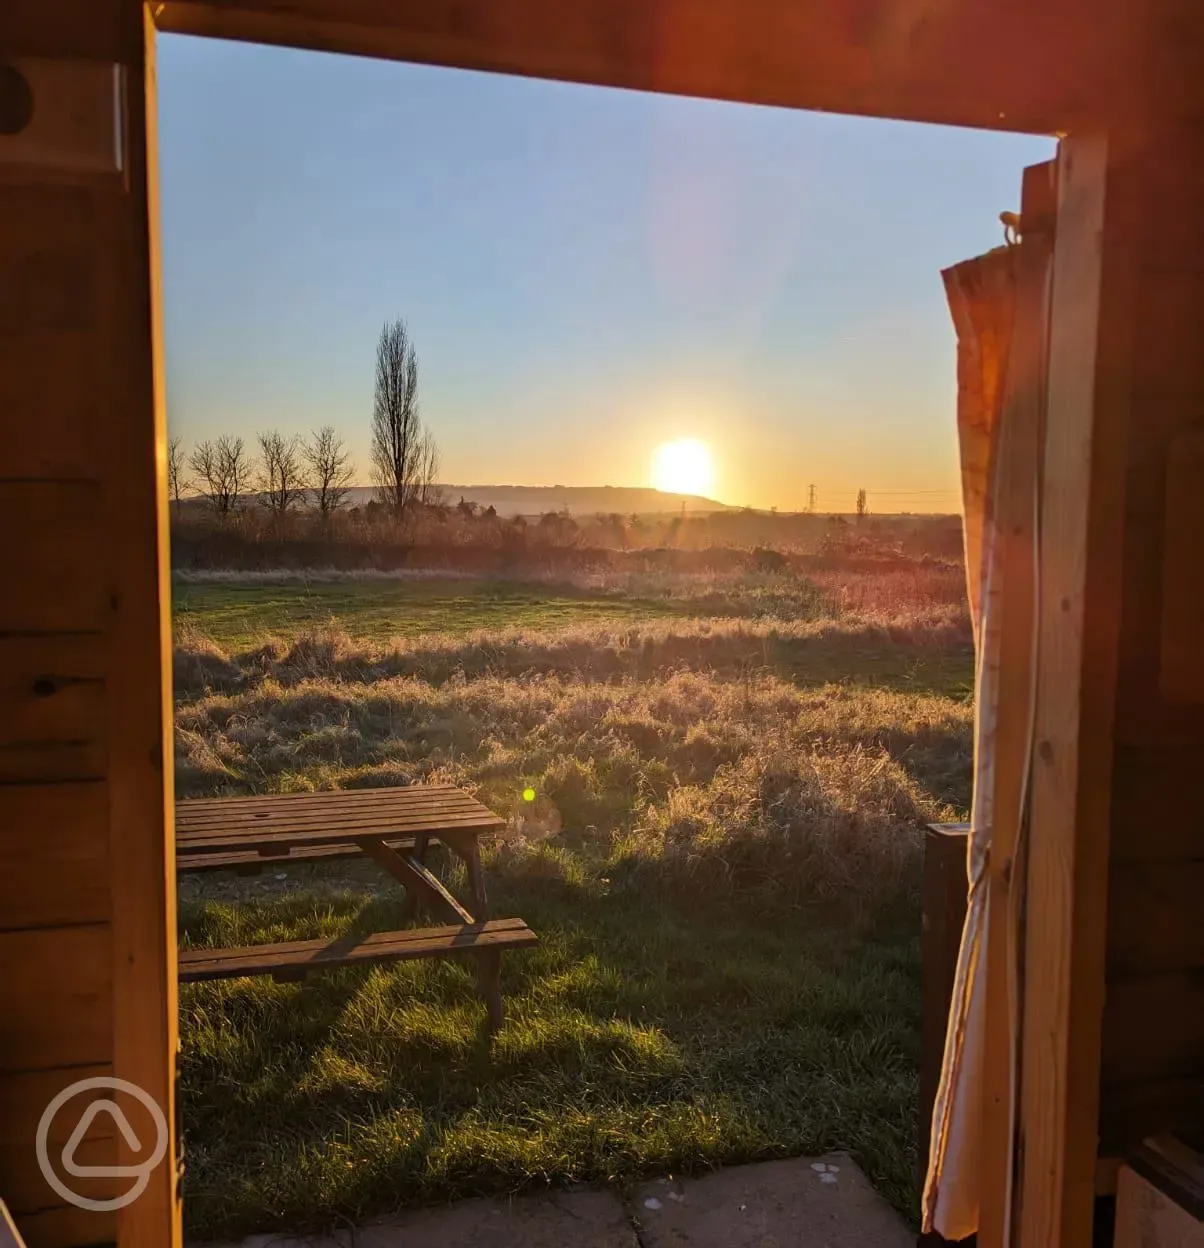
{"x": 1153, "y": 1058}
{"x": 87, "y": 976}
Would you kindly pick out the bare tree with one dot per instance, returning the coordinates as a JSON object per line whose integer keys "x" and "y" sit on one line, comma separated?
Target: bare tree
{"x": 863, "y": 507}
{"x": 330, "y": 469}
{"x": 224, "y": 471}
{"x": 280, "y": 480}
{"x": 177, "y": 483}
{"x": 427, "y": 490}
{"x": 405, "y": 459}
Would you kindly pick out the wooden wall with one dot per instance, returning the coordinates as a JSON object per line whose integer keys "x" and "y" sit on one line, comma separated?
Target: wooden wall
{"x": 87, "y": 976}
{"x": 1153, "y": 1054}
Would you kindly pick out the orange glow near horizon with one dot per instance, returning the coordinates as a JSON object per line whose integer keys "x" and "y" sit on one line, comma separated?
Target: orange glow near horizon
{"x": 684, "y": 466}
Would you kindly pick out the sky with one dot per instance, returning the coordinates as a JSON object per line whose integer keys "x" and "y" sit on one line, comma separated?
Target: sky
{"x": 586, "y": 273}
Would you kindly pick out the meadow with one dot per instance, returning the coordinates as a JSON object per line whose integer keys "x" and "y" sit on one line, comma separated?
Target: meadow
{"x": 723, "y": 865}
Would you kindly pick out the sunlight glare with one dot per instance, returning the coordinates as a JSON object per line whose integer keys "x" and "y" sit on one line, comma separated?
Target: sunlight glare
{"x": 683, "y": 467}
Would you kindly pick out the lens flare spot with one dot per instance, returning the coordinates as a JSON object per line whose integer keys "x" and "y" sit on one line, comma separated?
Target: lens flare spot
{"x": 528, "y": 795}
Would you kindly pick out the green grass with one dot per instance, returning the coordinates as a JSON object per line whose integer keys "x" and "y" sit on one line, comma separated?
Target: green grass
{"x": 722, "y": 863}
{"x": 237, "y": 616}
{"x": 925, "y": 651}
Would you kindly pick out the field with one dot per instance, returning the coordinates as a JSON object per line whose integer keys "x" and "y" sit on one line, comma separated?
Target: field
{"x": 723, "y": 867}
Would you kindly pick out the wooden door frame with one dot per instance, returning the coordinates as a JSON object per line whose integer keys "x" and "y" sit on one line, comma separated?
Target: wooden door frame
{"x": 1082, "y": 532}
{"x": 1083, "y": 470}
{"x": 88, "y": 231}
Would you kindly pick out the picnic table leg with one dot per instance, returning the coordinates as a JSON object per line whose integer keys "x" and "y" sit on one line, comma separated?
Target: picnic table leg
{"x": 476, "y": 881}
{"x": 465, "y": 847}
{"x": 489, "y": 965}
{"x": 489, "y": 961}
{"x": 489, "y": 984}
{"x": 409, "y": 907}
{"x": 414, "y": 878}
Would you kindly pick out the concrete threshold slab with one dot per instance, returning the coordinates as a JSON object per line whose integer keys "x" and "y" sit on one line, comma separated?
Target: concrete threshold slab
{"x": 583, "y": 1217}
{"x": 823, "y": 1202}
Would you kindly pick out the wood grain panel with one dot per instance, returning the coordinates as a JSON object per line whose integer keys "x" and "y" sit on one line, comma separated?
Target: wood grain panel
{"x": 56, "y": 984}
{"x": 1170, "y": 308}
{"x": 1031, "y": 67}
{"x": 25, "y": 1099}
{"x": 1129, "y": 1112}
{"x": 67, "y": 28}
{"x": 1154, "y": 918}
{"x": 21, "y": 1174}
{"x": 1154, "y": 1028}
{"x": 26, "y": 1095}
{"x": 54, "y": 855}
{"x": 1007, "y": 667}
{"x": 47, "y": 289}
{"x": 48, "y": 377}
{"x": 1157, "y": 804}
{"x": 57, "y": 407}
{"x": 1089, "y": 414}
{"x": 67, "y": 1227}
{"x": 1182, "y": 666}
{"x": 1176, "y": 63}
{"x": 52, "y": 708}
{"x": 1174, "y": 189}
{"x": 54, "y": 577}
{"x": 142, "y": 844}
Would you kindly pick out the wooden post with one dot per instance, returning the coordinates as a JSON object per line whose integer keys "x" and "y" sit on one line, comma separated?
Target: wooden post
{"x": 1012, "y": 599}
{"x": 1088, "y": 413}
{"x": 87, "y": 959}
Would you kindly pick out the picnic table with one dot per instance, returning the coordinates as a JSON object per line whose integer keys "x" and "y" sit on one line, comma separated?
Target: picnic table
{"x": 393, "y": 828}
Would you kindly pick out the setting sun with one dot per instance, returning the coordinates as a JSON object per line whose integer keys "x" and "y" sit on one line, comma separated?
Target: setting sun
{"x": 683, "y": 467}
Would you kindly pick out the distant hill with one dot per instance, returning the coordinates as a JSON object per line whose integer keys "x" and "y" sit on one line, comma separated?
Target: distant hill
{"x": 580, "y": 500}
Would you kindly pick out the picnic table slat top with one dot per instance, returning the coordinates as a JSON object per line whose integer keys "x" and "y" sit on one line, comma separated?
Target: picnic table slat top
{"x": 405, "y": 793}
{"x": 300, "y": 816}
{"x": 334, "y": 817}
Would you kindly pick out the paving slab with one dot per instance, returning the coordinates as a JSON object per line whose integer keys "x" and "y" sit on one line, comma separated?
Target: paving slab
{"x": 583, "y": 1218}
{"x": 821, "y": 1202}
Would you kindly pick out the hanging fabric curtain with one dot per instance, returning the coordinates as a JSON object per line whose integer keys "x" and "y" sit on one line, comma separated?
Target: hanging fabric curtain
{"x": 997, "y": 303}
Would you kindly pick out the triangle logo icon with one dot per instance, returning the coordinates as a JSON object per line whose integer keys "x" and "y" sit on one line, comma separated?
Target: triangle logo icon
{"x": 88, "y": 1117}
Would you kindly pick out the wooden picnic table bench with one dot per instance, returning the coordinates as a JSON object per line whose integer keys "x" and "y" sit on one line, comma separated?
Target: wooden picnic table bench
{"x": 392, "y": 827}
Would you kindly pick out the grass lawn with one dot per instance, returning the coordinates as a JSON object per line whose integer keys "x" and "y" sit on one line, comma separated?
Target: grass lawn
{"x": 723, "y": 867}
{"x": 238, "y": 616}
{"x": 646, "y": 1034}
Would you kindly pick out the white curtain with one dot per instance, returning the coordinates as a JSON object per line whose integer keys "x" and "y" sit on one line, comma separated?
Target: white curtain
{"x": 999, "y": 444}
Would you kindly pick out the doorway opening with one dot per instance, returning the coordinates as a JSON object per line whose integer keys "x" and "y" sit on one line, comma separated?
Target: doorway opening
{"x": 684, "y": 605}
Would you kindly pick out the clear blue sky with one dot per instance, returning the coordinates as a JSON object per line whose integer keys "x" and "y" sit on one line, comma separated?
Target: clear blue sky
{"x": 586, "y": 273}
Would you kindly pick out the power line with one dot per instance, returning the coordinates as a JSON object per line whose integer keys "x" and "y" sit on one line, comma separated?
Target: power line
{"x": 892, "y": 490}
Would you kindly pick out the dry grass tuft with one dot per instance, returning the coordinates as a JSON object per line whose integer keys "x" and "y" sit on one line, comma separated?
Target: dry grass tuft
{"x": 680, "y": 741}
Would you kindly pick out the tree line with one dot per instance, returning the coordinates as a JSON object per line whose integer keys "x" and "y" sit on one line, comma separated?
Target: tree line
{"x": 286, "y": 473}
